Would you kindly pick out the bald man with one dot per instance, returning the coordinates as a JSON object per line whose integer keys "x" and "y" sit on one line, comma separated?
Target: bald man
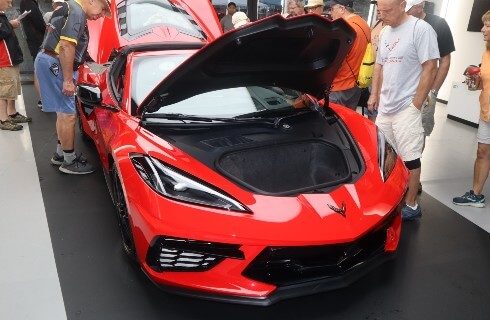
{"x": 404, "y": 72}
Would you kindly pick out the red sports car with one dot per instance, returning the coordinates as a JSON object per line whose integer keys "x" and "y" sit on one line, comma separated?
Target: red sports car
{"x": 231, "y": 180}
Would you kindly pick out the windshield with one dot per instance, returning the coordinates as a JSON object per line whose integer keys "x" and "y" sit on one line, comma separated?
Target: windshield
{"x": 146, "y": 14}
{"x": 149, "y": 71}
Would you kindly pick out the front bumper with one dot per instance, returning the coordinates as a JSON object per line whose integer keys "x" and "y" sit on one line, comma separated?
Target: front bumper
{"x": 285, "y": 292}
{"x": 266, "y": 275}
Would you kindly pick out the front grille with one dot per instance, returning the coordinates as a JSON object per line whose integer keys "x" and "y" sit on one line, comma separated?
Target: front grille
{"x": 175, "y": 254}
{"x": 292, "y": 265}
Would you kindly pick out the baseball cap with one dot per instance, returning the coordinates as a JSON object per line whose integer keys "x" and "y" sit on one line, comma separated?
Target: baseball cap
{"x": 239, "y": 19}
{"x": 313, "y": 3}
{"x": 411, "y": 3}
{"x": 345, "y": 3}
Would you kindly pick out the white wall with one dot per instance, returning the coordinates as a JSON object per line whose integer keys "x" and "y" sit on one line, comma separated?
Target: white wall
{"x": 469, "y": 45}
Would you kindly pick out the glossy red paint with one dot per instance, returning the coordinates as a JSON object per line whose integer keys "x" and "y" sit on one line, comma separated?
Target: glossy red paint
{"x": 106, "y": 35}
{"x": 283, "y": 221}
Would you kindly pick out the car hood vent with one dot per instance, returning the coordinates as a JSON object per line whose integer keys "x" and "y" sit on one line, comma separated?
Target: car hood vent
{"x": 224, "y": 142}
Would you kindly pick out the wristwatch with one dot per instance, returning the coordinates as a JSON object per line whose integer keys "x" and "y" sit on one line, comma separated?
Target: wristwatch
{"x": 434, "y": 92}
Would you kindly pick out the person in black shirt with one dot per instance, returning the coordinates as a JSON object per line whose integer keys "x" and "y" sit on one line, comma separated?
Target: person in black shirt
{"x": 34, "y": 29}
{"x": 445, "y": 43}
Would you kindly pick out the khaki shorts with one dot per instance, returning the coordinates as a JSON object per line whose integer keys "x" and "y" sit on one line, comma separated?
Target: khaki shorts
{"x": 9, "y": 83}
{"x": 404, "y": 130}
{"x": 483, "y": 134}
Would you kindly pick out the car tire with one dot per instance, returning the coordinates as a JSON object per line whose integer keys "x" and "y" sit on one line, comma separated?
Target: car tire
{"x": 122, "y": 215}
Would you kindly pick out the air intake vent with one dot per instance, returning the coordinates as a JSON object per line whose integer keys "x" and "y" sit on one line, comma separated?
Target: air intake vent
{"x": 294, "y": 265}
{"x": 225, "y": 142}
{"x": 174, "y": 254}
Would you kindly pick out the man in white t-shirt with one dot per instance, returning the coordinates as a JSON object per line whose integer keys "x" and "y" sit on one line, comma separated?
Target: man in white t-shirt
{"x": 405, "y": 68}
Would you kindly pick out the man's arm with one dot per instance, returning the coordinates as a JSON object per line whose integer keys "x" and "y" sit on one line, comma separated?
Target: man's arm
{"x": 67, "y": 57}
{"x": 373, "y": 101}
{"x": 425, "y": 82}
{"x": 444, "y": 64}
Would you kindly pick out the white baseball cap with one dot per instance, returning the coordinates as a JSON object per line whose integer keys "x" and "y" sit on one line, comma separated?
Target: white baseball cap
{"x": 239, "y": 19}
{"x": 411, "y": 3}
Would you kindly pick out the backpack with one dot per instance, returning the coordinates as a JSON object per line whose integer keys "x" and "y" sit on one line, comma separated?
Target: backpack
{"x": 367, "y": 67}
{"x": 366, "y": 70}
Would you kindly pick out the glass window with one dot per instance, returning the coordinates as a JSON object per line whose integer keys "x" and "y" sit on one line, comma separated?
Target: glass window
{"x": 268, "y": 8}
{"x": 234, "y": 102}
{"x": 143, "y": 15}
{"x": 149, "y": 71}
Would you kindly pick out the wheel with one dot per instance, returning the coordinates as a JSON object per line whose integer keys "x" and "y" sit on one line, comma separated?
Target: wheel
{"x": 122, "y": 215}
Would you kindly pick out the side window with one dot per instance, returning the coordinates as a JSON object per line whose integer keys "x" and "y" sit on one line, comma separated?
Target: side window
{"x": 267, "y": 8}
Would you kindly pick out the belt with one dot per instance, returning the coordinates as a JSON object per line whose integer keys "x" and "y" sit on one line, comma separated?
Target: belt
{"x": 50, "y": 53}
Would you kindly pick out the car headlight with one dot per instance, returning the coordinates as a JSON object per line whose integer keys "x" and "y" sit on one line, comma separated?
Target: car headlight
{"x": 386, "y": 156}
{"x": 174, "y": 184}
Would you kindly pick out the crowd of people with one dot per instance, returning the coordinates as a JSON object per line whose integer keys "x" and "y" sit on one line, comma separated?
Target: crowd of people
{"x": 413, "y": 56}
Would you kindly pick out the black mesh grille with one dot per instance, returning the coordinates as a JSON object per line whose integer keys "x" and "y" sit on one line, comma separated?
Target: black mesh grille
{"x": 292, "y": 265}
{"x": 173, "y": 254}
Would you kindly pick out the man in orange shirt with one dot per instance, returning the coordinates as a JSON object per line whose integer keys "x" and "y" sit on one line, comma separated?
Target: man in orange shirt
{"x": 344, "y": 89}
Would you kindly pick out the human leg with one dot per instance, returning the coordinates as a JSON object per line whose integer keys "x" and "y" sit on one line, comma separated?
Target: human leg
{"x": 482, "y": 166}
{"x": 409, "y": 137}
{"x": 8, "y": 91}
{"x": 474, "y": 197}
{"x": 72, "y": 163}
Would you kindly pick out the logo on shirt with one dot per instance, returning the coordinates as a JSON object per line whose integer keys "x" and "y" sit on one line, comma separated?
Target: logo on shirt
{"x": 392, "y": 46}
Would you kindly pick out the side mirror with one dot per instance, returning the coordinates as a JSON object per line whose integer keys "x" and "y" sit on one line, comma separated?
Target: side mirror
{"x": 89, "y": 95}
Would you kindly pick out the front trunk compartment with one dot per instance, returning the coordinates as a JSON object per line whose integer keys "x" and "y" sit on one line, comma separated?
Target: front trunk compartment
{"x": 307, "y": 153}
{"x": 286, "y": 167}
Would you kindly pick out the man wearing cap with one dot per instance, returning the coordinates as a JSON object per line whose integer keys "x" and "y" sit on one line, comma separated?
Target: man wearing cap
{"x": 55, "y": 5}
{"x": 239, "y": 19}
{"x": 446, "y": 46}
{"x": 344, "y": 89}
{"x": 404, "y": 72}
{"x": 62, "y": 52}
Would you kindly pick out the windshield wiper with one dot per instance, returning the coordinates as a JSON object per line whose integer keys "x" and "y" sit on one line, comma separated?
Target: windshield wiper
{"x": 199, "y": 119}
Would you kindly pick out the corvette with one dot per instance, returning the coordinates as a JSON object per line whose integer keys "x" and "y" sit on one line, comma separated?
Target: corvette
{"x": 233, "y": 177}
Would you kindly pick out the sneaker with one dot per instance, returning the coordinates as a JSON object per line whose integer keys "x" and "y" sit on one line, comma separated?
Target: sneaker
{"x": 470, "y": 199}
{"x": 39, "y": 104}
{"x": 18, "y": 118}
{"x": 8, "y": 125}
{"x": 79, "y": 166}
{"x": 409, "y": 214}
{"x": 57, "y": 160}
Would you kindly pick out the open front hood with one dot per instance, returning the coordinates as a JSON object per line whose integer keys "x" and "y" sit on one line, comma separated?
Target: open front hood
{"x": 301, "y": 53}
